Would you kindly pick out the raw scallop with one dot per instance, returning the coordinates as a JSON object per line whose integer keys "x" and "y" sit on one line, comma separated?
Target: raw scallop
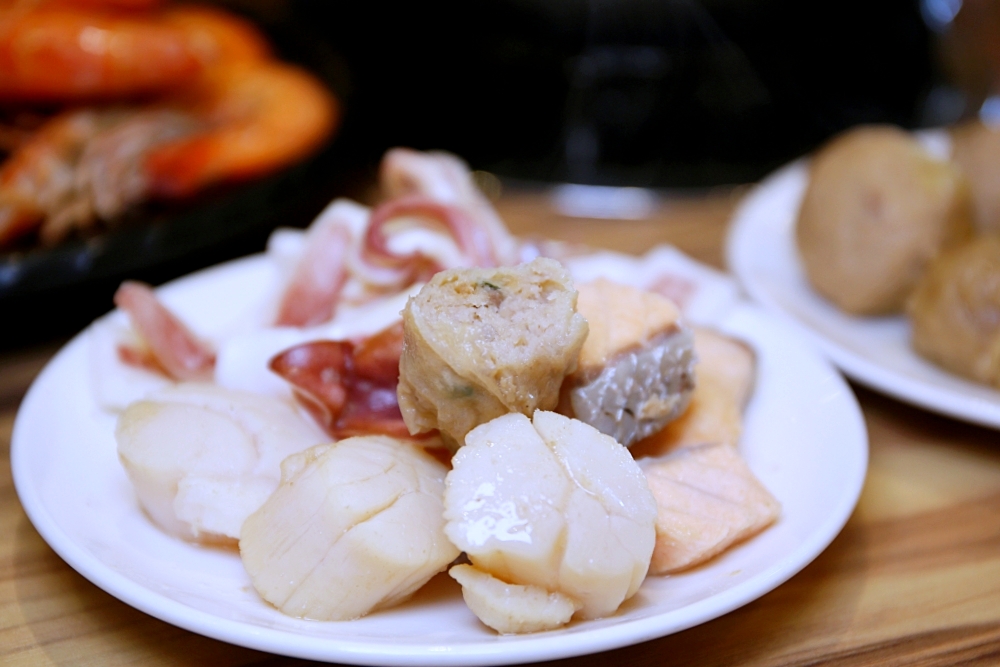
{"x": 553, "y": 504}
{"x": 202, "y": 458}
{"x": 355, "y": 526}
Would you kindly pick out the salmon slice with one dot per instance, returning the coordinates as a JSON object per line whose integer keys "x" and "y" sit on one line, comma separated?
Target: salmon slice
{"x": 707, "y": 500}
{"x": 726, "y": 369}
{"x": 635, "y": 372}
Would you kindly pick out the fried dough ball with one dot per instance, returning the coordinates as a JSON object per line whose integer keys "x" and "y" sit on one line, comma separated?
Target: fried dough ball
{"x": 878, "y": 208}
{"x": 955, "y": 311}
{"x": 976, "y": 151}
{"x": 480, "y": 343}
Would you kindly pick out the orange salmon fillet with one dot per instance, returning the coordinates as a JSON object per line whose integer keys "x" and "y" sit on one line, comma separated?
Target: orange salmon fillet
{"x": 707, "y": 500}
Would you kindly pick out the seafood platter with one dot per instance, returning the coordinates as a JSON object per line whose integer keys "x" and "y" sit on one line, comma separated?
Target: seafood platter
{"x": 405, "y": 436}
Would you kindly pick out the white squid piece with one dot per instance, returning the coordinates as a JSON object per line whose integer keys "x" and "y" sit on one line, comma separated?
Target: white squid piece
{"x": 552, "y": 504}
{"x": 203, "y": 458}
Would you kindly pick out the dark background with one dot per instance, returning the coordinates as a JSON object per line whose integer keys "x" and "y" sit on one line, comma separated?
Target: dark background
{"x": 674, "y": 93}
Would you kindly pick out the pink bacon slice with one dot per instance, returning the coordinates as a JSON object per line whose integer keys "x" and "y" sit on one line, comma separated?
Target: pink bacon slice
{"x": 445, "y": 178}
{"x": 170, "y": 344}
{"x": 348, "y": 387}
{"x": 472, "y": 239}
{"x": 314, "y": 290}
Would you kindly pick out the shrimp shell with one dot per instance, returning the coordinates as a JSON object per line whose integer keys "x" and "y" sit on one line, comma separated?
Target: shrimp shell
{"x": 264, "y": 116}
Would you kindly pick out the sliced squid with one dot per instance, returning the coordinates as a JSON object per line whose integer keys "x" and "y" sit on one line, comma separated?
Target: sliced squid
{"x": 552, "y": 504}
{"x": 355, "y": 526}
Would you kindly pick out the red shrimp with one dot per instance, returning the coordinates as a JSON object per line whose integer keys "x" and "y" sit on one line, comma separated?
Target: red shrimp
{"x": 80, "y": 166}
{"x": 262, "y": 116}
{"x": 218, "y": 37}
{"x": 53, "y": 54}
{"x": 75, "y": 50}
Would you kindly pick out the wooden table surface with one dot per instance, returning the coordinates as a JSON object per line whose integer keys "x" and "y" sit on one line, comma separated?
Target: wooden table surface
{"x": 913, "y": 579}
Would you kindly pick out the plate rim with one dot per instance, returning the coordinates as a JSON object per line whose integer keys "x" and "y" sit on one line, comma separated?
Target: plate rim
{"x": 499, "y": 650}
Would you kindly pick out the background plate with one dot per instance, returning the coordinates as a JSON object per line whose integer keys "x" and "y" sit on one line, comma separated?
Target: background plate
{"x": 875, "y": 351}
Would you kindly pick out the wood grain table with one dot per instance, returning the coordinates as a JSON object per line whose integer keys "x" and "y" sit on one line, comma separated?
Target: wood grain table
{"x": 913, "y": 579}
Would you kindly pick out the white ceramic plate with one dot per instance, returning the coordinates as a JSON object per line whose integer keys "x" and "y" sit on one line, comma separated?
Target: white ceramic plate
{"x": 875, "y": 351}
{"x": 804, "y": 438}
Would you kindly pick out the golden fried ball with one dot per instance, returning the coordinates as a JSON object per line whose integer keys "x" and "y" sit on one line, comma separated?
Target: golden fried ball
{"x": 976, "y": 151}
{"x": 955, "y": 310}
{"x": 877, "y": 209}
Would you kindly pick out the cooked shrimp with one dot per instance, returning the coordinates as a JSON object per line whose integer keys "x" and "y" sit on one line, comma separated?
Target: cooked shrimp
{"x": 131, "y": 5}
{"x": 80, "y": 166}
{"x": 79, "y": 50}
{"x": 217, "y": 37}
{"x": 38, "y": 178}
{"x": 65, "y": 54}
{"x": 263, "y": 116}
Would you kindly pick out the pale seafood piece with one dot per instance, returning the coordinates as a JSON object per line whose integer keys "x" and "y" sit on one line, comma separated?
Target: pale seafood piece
{"x": 479, "y": 343}
{"x": 555, "y": 504}
{"x": 708, "y": 499}
{"x": 203, "y": 458}
{"x": 510, "y": 608}
{"x": 726, "y": 370}
{"x": 636, "y": 368}
{"x": 354, "y": 526}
